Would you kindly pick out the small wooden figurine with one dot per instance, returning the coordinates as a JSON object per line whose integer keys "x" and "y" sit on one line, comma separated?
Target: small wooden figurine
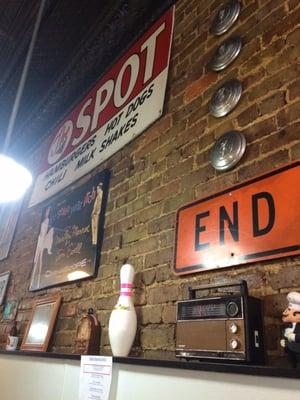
{"x": 88, "y": 334}
{"x": 291, "y": 341}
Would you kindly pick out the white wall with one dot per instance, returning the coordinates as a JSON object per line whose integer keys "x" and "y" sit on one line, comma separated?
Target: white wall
{"x": 26, "y": 378}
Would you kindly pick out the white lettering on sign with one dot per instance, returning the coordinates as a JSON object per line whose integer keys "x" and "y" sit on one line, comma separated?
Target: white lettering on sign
{"x": 102, "y": 100}
{"x": 83, "y": 123}
{"x": 123, "y": 103}
{"x": 133, "y": 63}
{"x": 150, "y": 46}
{"x": 60, "y": 142}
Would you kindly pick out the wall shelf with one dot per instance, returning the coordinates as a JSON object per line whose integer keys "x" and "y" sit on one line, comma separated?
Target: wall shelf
{"x": 160, "y": 361}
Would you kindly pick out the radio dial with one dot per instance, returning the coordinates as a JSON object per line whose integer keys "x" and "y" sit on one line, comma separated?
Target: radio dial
{"x": 232, "y": 309}
{"x": 234, "y": 344}
{"x": 233, "y": 328}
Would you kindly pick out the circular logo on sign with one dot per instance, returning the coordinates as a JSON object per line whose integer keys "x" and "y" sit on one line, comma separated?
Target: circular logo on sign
{"x": 60, "y": 142}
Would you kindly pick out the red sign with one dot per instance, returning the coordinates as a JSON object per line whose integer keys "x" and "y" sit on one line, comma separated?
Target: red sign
{"x": 123, "y": 103}
{"x": 253, "y": 221}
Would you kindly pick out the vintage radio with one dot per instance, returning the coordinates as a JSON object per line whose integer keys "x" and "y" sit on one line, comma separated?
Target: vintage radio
{"x": 221, "y": 327}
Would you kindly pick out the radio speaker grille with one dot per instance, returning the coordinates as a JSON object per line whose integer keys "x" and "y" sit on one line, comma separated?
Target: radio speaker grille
{"x": 203, "y": 309}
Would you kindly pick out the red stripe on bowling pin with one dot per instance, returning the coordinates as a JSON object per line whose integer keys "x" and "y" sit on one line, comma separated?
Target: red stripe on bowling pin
{"x": 128, "y": 294}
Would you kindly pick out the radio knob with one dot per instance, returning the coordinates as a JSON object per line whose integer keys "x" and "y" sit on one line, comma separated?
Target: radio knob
{"x": 232, "y": 309}
{"x": 233, "y": 328}
{"x": 234, "y": 344}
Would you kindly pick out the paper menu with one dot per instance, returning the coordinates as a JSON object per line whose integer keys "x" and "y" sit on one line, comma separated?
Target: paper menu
{"x": 95, "y": 377}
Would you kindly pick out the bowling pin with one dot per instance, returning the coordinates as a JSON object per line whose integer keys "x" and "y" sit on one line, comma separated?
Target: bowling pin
{"x": 122, "y": 322}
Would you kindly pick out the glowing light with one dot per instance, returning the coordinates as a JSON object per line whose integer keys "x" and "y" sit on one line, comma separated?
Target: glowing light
{"x": 220, "y": 257}
{"x": 38, "y": 332}
{"x": 14, "y": 179}
{"x": 73, "y": 276}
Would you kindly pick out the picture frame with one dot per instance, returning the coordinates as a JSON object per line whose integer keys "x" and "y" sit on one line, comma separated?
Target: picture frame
{"x": 4, "y": 278}
{"x": 70, "y": 238}
{"x": 9, "y": 215}
{"x": 41, "y": 323}
{"x": 10, "y": 310}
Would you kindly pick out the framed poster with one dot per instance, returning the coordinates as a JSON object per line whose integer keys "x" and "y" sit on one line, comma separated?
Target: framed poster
{"x": 71, "y": 231}
{"x": 9, "y": 214}
{"x": 4, "y": 278}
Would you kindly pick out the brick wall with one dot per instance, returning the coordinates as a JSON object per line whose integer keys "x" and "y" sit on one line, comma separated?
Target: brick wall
{"x": 168, "y": 166}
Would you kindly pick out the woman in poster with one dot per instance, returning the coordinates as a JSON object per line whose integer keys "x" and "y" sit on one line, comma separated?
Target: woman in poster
{"x": 45, "y": 241}
{"x": 96, "y": 212}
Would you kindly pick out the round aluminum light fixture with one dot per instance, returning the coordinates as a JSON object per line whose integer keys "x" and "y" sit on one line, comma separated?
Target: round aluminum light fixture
{"x": 228, "y": 150}
{"x": 226, "y": 53}
{"x": 226, "y": 17}
{"x": 14, "y": 179}
{"x": 226, "y": 98}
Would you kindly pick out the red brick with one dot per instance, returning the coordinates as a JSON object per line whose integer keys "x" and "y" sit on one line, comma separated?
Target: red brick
{"x": 274, "y": 305}
{"x": 282, "y": 138}
{"x": 274, "y": 82}
{"x": 277, "y": 30}
{"x": 159, "y": 257}
{"x": 286, "y": 277}
{"x": 147, "y": 149}
{"x": 260, "y": 129}
{"x": 151, "y": 314}
{"x": 162, "y": 223}
{"x": 168, "y": 166}
{"x": 248, "y": 116}
{"x": 69, "y": 310}
{"x": 287, "y": 57}
{"x": 295, "y": 152}
{"x": 294, "y": 90}
{"x": 248, "y": 10}
{"x": 265, "y": 19}
{"x": 164, "y": 273}
{"x": 199, "y": 86}
{"x": 289, "y": 114}
{"x": 252, "y": 152}
{"x": 172, "y": 204}
{"x": 157, "y": 337}
{"x": 262, "y": 56}
{"x": 162, "y": 294}
{"x": 165, "y": 191}
{"x": 272, "y": 103}
{"x": 264, "y": 165}
{"x": 182, "y": 168}
{"x": 253, "y": 78}
{"x": 293, "y": 4}
{"x": 169, "y": 314}
{"x": 148, "y": 277}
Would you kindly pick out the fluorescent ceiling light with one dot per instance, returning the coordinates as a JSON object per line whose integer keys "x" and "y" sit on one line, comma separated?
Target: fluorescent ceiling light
{"x": 14, "y": 179}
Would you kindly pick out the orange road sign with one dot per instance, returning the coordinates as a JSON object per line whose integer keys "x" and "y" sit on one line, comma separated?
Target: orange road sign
{"x": 253, "y": 221}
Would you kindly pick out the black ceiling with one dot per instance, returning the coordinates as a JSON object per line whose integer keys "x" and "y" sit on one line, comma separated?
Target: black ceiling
{"x": 77, "y": 41}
